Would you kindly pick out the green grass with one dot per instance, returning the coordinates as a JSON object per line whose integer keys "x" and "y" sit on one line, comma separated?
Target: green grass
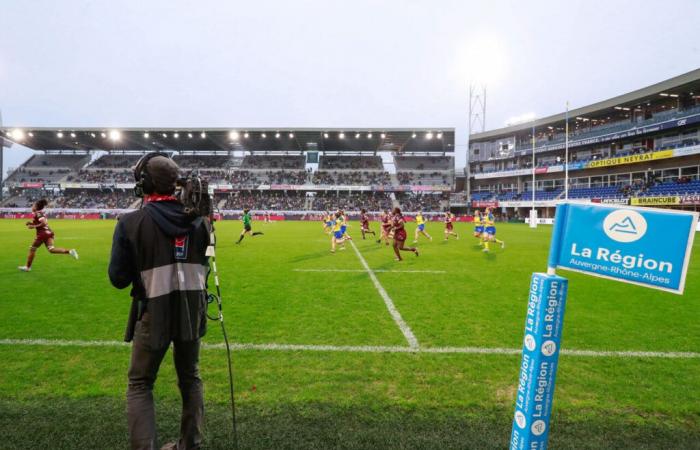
{"x": 73, "y": 397}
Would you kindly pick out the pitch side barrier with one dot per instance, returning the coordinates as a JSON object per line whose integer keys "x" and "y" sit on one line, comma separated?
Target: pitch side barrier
{"x": 226, "y": 214}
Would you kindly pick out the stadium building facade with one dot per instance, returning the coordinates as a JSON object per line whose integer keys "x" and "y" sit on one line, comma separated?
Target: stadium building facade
{"x": 291, "y": 170}
{"x": 640, "y": 148}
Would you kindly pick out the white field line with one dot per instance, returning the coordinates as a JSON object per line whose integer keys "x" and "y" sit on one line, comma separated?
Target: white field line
{"x": 363, "y": 270}
{"x": 403, "y": 326}
{"x": 365, "y": 349}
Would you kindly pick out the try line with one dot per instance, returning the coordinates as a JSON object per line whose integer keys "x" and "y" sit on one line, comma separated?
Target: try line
{"x": 365, "y": 349}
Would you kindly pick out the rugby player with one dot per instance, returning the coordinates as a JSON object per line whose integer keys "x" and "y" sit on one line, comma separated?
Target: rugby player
{"x": 364, "y": 224}
{"x": 247, "y": 220}
{"x": 338, "y": 236}
{"x": 44, "y": 236}
{"x": 420, "y": 227}
{"x": 490, "y": 230}
{"x": 386, "y": 227}
{"x": 449, "y": 227}
{"x": 478, "y": 226}
{"x": 397, "y": 225}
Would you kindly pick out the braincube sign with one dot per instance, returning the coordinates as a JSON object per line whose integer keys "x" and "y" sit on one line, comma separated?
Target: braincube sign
{"x": 649, "y": 247}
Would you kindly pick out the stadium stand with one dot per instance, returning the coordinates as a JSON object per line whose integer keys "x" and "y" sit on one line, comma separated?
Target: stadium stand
{"x": 335, "y": 162}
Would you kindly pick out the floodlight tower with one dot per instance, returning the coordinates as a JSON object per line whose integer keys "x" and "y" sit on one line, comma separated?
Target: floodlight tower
{"x": 477, "y": 120}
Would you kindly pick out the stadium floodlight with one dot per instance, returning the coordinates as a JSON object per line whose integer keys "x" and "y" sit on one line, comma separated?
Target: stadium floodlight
{"x": 176, "y": 135}
{"x": 17, "y": 134}
{"x": 72, "y": 135}
{"x": 234, "y": 135}
{"x": 357, "y": 135}
{"x": 277, "y": 135}
{"x": 429, "y": 135}
{"x": 189, "y": 135}
{"x": 325, "y": 135}
{"x": 439, "y": 135}
{"x": 59, "y": 135}
{"x": 203, "y": 135}
{"x": 341, "y": 135}
{"x": 115, "y": 135}
{"x": 369, "y": 135}
{"x": 103, "y": 135}
{"x": 165, "y": 135}
{"x": 383, "y": 135}
{"x": 30, "y": 134}
{"x": 291, "y": 135}
{"x": 414, "y": 135}
{"x": 93, "y": 135}
{"x": 146, "y": 135}
{"x": 523, "y": 118}
{"x": 263, "y": 135}
{"x": 246, "y": 135}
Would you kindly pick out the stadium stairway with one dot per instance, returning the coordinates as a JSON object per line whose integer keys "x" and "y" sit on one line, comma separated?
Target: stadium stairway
{"x": 308, "y": 203}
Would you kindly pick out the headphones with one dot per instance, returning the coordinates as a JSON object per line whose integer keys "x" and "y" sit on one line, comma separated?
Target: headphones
{"x": 144, "y": 183}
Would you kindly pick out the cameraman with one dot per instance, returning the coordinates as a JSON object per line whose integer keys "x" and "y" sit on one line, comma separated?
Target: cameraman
{"x": 160, "y": 251}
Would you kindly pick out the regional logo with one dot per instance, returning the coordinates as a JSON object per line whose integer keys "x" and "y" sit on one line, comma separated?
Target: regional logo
{"x": 624, "y": 225}
{"x": 520, "y": 420}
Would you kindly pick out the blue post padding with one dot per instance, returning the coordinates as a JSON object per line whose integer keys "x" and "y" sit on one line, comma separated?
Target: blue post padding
{"x": 538, "y": 368}
{"x": 559, "y": 224}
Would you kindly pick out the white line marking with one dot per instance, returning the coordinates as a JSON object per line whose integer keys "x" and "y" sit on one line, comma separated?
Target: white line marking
{"x": 366, "y": 349}
{"x": 375, "y": 270}
{"x": 405, "y": 329}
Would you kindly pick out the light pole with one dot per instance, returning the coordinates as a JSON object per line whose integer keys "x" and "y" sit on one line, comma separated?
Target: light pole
{"x": 533, "y": 211}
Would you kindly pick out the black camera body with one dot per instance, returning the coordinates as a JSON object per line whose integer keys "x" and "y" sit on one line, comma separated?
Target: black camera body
{"x": 194, "y": 195}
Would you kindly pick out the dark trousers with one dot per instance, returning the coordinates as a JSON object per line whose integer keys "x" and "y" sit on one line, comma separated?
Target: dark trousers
{"x": 143, "y": 371}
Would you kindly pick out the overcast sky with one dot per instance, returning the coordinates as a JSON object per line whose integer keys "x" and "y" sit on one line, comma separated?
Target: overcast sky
{"x": 326, "y": 63}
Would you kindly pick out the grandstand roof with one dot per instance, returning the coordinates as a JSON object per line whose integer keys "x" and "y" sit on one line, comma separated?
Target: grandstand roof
{"x": 434, "y": 140}
{"x": 688, "y": 82}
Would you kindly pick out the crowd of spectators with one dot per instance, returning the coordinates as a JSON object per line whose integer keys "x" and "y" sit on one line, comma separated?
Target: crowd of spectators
{"x": 92, "y": 198}
{"x": 262, "y": 200}
{"x": 352, "y": 201}
{"x": 424, "y": 162}
{"x": 30, "y": 175}
{"x": 115, "y": 161}
{"x": 422, "y": 202}
{"x": 332, "y": 162}
{"x": 351, "y": 178}
{"x": 103, "y": 176}
{"x": 424, "y": 179}
{"x": 274, "y": 162}
{"x": 189, "y": 162}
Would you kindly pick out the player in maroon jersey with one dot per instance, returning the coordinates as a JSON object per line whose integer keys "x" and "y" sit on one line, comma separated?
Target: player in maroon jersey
{"x": 385, "y": 219}
{"x": 397, "y": 224}
{"x": 364, "y": 223}
{"x": 449, "y": 227}
{"x": 44, "y": 236}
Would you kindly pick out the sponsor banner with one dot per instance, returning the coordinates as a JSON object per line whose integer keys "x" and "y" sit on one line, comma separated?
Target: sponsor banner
{"x": 540, "y": 170}
{"x": 32, "y": 185}
{"x": 124, "y": 185}
{"x": 611, "y": 201}
{"x": 484, "y": 204}
{"x": 644, "y": 246}
{"x": 690, "y": 200}
{"x": 663, "y": 154}
{"x": 655, "y": 201}
{"x": 52, "y": 186}
{"x": 71, "y": 185}
{"x": 686, "y": 151}
{"x": 527, "y": 204}
{"x": 540, "y": 220}
{"x": 538, "y": 367}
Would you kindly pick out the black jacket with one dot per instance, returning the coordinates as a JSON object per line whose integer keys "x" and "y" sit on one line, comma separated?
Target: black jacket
{"x": 161, "y": 253}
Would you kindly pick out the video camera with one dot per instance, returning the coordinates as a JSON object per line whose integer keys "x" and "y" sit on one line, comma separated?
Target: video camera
{"x": 194, "y": 195}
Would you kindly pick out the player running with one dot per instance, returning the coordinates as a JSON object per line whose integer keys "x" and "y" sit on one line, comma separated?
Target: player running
{"x": 327, "y": 222}
{"x": 449, "y": 226}
{"x": 44, "y": 236}
{"x": 344, "y": 224}
{"x": 247, "y": 220}
{"x": 420, "y": 228}
{"x": 338, "y": 236}
{"x": 397, "y": 225}
{"x": 490, "y": 231}
{"x": 478, "y": 225}
{"x": 364, "y": 224}
{"x": 385, "y": 219}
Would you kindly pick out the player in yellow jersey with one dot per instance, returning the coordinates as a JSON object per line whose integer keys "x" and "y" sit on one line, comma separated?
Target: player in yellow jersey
{"x": 420, "y": 227}
{"x": 327, "y": 222}
{"x": 489, "y": 234}
{"x": 338, "y": 236}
